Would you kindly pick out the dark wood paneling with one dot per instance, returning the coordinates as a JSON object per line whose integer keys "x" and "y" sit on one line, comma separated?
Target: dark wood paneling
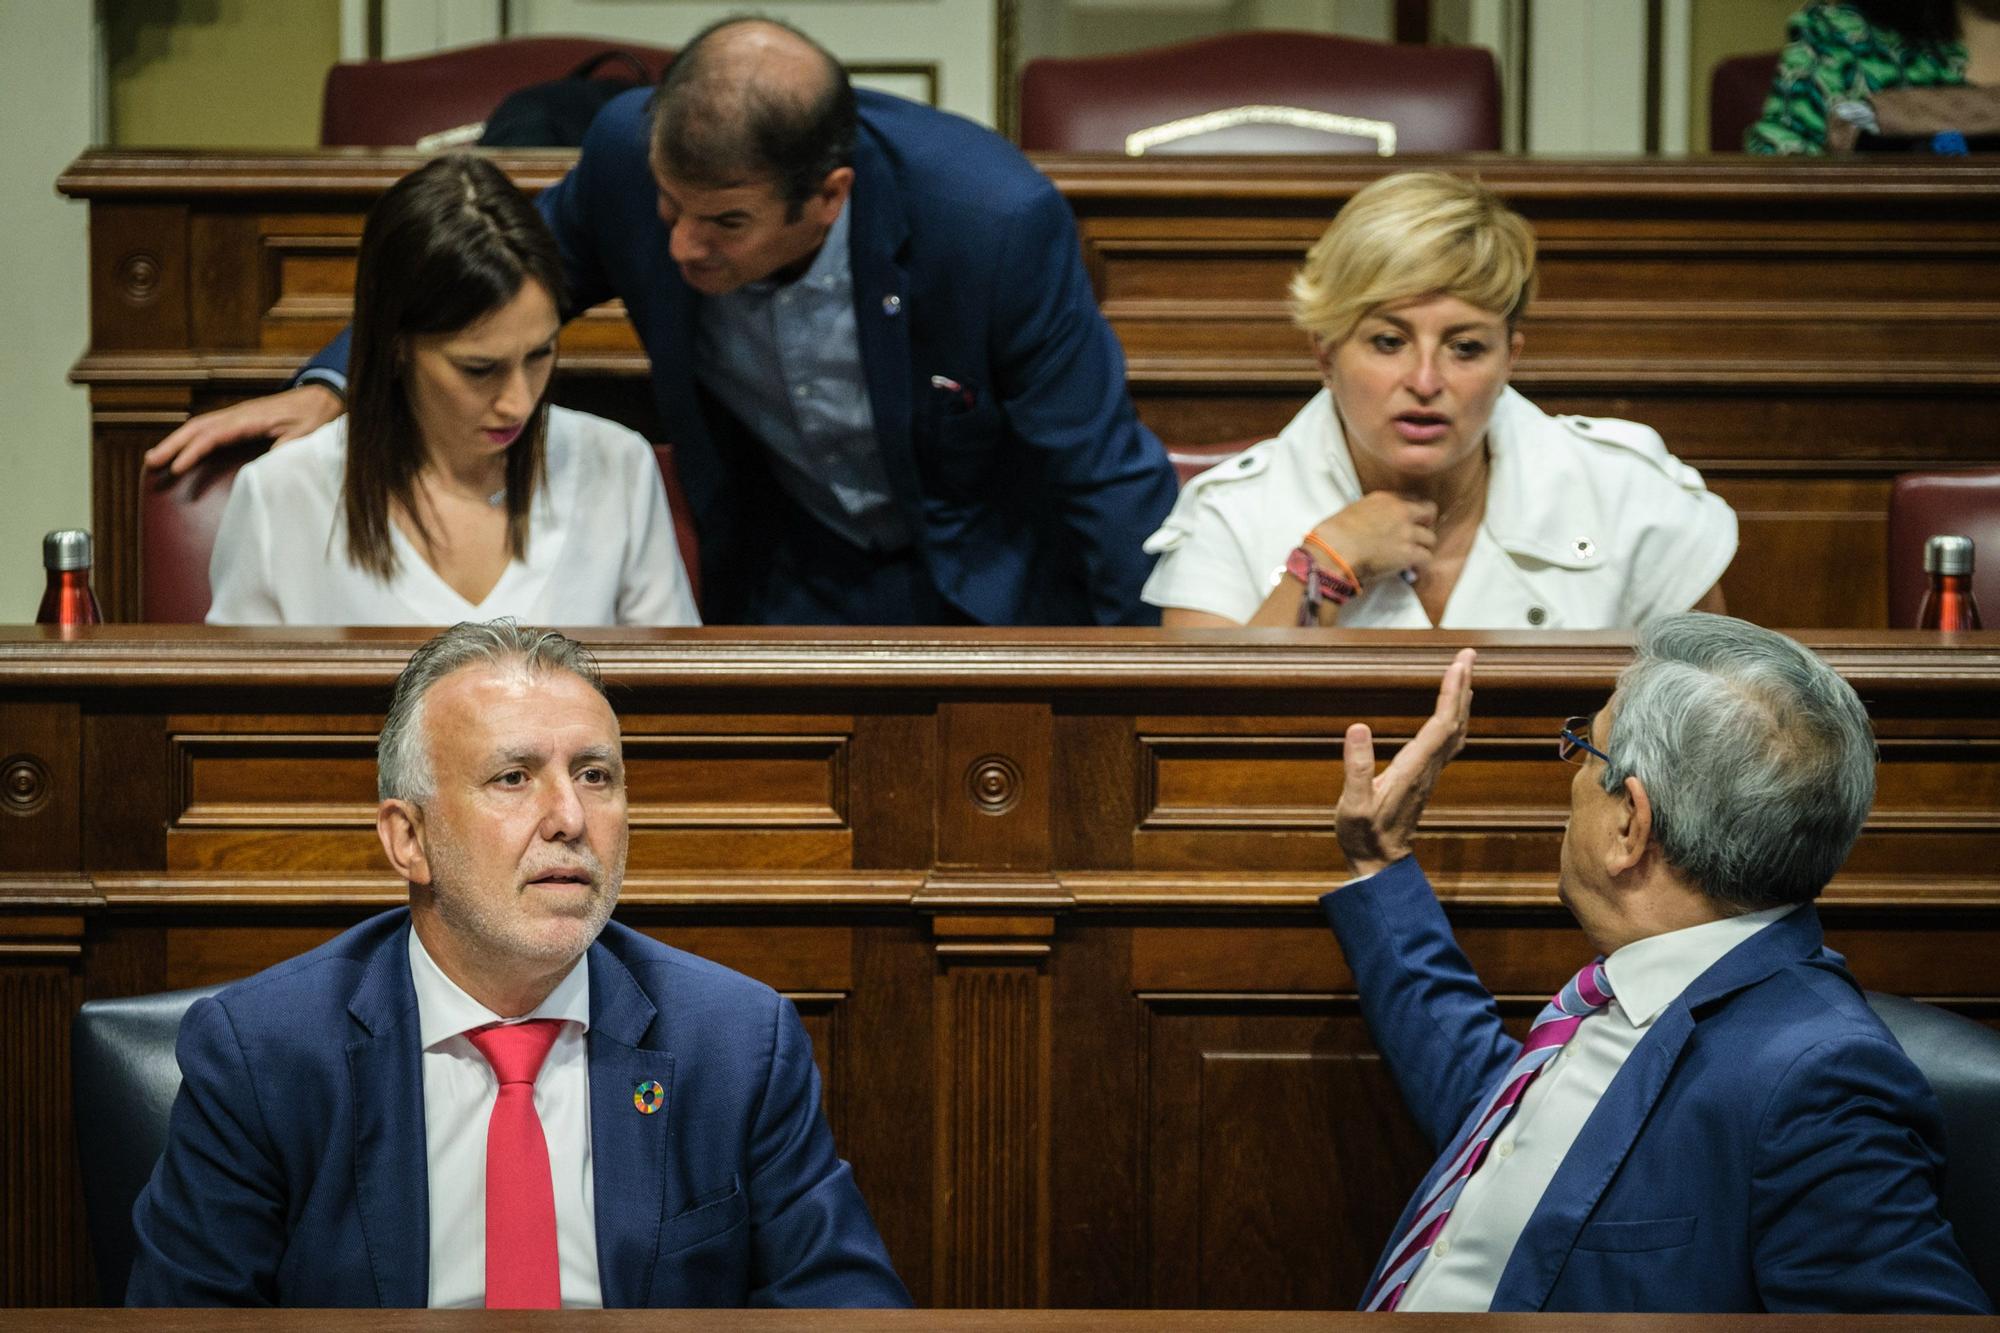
{"x": 1280, "y": 1153}
{"x": 1106, "y": 1054}
{"x": 41, "y": 787}
{"x": 1801, "y": 331}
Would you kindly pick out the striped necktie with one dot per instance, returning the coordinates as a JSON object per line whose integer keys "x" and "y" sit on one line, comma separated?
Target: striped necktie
{"x": 1586, "y": 993}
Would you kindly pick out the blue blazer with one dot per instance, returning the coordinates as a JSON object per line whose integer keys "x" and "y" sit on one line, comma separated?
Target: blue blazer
{"x": 1767, "y": 1146}
{"x": 294, "y": 1172}
{"x": 1031, "y": 503}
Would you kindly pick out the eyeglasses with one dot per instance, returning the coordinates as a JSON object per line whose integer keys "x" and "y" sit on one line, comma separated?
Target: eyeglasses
{"x": 1571, "y": 743}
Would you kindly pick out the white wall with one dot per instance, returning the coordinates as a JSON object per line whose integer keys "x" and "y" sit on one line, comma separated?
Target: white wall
{"x": 48, "y": 100}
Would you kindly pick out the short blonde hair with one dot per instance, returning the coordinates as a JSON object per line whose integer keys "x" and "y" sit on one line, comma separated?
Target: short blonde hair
{"x": 1415, "y": 234}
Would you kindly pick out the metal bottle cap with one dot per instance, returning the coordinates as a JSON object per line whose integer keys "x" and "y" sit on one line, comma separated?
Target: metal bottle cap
{"x": 1948, "y": 555}
{"x": 66, "y": 548}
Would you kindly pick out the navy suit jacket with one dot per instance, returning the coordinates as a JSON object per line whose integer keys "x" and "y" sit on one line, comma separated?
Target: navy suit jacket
{"x": 1767, "y": 1145}
{"x": 1031, "y": 503}
{"x": 294, "y": 1172}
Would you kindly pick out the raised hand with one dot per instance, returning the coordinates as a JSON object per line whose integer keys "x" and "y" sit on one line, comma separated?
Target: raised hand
{"x": 1378, "y": 812}
{"x": 278, "y": 417}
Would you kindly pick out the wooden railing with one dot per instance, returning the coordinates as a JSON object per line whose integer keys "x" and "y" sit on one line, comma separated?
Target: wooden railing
{"x": 1045, "y": 899}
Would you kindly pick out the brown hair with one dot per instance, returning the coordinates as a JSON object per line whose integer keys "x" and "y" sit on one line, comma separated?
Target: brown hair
{"x": 449, "y": 244}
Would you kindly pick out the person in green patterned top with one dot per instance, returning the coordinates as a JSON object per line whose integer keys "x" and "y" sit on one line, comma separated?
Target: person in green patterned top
{"x": 1842, "y": 52}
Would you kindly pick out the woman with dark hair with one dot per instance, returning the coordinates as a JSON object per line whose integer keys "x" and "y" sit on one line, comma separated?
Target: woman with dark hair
{"x": 1841, "y": 53}
{"x": 452, "y": 489}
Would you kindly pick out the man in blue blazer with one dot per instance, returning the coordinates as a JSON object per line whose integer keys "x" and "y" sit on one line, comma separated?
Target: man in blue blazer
{"x": 339, "y": 1127}
{"x": 890, "y": 391}
{"x": 1710, "y": 1118}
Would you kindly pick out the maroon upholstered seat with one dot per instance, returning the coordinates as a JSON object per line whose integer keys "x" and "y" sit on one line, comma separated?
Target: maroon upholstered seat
{"x": 1737, "y": 88}
{"x": 179, "y": 515}
{"x": 390, "y": 102}
{"x": 1191, "y": 460}
{"x": 1923, "y": 505}
{"x": 1438, "y": 98}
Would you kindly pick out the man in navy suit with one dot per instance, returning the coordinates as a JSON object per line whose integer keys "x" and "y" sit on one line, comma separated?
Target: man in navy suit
{"x": 344, "y": 1136}
{"x": 892, "y": 397}
{"x": 1713, "y": 1120}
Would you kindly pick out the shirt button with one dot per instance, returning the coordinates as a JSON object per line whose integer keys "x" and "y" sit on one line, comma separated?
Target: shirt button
{"x": 1441, "y": 1249}
{"x": 1536, "y": 615}
{"x": 801, "y": 390}
{"x": 1506, "y": 1149}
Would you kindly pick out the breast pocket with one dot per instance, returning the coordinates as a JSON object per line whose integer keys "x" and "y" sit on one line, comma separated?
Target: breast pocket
{"x": 963, "y": 444}
{"x": 715, "y": 1213}
{"x": 1663, "y": 1233}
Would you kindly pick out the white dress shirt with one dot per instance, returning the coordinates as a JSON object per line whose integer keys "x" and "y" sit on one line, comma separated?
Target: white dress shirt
{"x": 459, "y": 1091}
{"x": 1464, "y": 1266}
{"x": 601, "y": 548}
{"x": 1590, "y": 524}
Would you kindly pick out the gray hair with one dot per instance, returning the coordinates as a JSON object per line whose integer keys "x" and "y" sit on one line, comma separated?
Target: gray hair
{"x": 1757, "y": 758}
{"x": 403, "y": 754}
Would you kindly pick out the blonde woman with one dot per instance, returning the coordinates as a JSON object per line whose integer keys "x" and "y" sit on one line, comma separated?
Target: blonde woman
{"x": 1418, "y": 490}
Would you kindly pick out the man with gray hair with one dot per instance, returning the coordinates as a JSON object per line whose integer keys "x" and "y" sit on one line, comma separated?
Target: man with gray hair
{"x": 1708, "y": 1117}
{"x": 494, "y": 1096}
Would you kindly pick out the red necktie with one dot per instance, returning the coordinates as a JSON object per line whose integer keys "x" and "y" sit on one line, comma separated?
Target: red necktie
{"x": 522, "y": 1271}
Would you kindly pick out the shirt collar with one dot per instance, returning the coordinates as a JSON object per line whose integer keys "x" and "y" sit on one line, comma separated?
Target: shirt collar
{"x": 1648, "y": 975}
{"x": 445, "y": 1011}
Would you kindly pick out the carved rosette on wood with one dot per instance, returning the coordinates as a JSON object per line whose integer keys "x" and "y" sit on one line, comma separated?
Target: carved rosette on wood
{"x": 995, "y": 901}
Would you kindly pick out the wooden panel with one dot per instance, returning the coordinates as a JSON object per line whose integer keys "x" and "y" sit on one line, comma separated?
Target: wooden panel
{"x": 41, "y": 787}
{"x": 1797, "y": 327}
{"x": 1280, "y": 1151}
{"x": 994, "y": 781}
{"x": 1105, "y": 1056}
{"x": 269, "y": 801}
{"x": 138, "y": 277}
{"x": 990, "y": 1247}
{"x": 42, "y": 1251}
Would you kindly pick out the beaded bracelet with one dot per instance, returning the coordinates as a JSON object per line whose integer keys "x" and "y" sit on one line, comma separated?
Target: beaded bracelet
{"x": 1313, "y": 539}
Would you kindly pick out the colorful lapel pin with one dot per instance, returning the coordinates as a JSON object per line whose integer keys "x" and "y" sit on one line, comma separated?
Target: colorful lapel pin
{"x": 648, "y": 1096}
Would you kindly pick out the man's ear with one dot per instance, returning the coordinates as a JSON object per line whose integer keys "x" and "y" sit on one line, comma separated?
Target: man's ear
{"x": 831, "y": 196}
{"x": 400, "y": 826}
{"x": 1634, "y": 830}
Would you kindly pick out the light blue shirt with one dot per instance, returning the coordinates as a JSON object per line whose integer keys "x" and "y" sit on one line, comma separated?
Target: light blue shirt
{"x": 785, "y": 358}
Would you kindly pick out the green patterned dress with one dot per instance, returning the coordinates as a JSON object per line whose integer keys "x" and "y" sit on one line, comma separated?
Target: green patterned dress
{"x": 1834, "y": 55}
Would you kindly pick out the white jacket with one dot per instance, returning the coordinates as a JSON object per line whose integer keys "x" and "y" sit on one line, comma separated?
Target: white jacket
{"x": 1590, "y": 524}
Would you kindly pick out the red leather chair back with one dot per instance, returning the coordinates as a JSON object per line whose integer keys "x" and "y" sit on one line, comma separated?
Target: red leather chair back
{"x": 179, "y": 515}
{"x": 385, "y": 103}
{"x": 1923, "y": 505}
{"x": 1737, "y": 88}
{"x": 1440, "y": 98}
{"x": 1191, "y": 460}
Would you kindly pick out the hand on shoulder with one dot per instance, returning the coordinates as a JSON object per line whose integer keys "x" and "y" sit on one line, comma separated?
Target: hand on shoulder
{"x": 279, "y": 417}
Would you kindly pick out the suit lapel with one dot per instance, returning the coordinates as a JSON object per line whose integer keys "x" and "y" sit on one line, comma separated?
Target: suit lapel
{"x": 391, "y": 1179}
{"x": 882, "y": 313}
{"x": 1613, "y": 1128}
{"x": 628, "y": 1147}
{"x": 1592, "y": 1161}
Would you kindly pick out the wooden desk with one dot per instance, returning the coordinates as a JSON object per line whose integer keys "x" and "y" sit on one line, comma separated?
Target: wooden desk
{"x": 1046, "y": 900}
{"x": 944, "y": 1321}
{"x": 1800, "y": 330}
